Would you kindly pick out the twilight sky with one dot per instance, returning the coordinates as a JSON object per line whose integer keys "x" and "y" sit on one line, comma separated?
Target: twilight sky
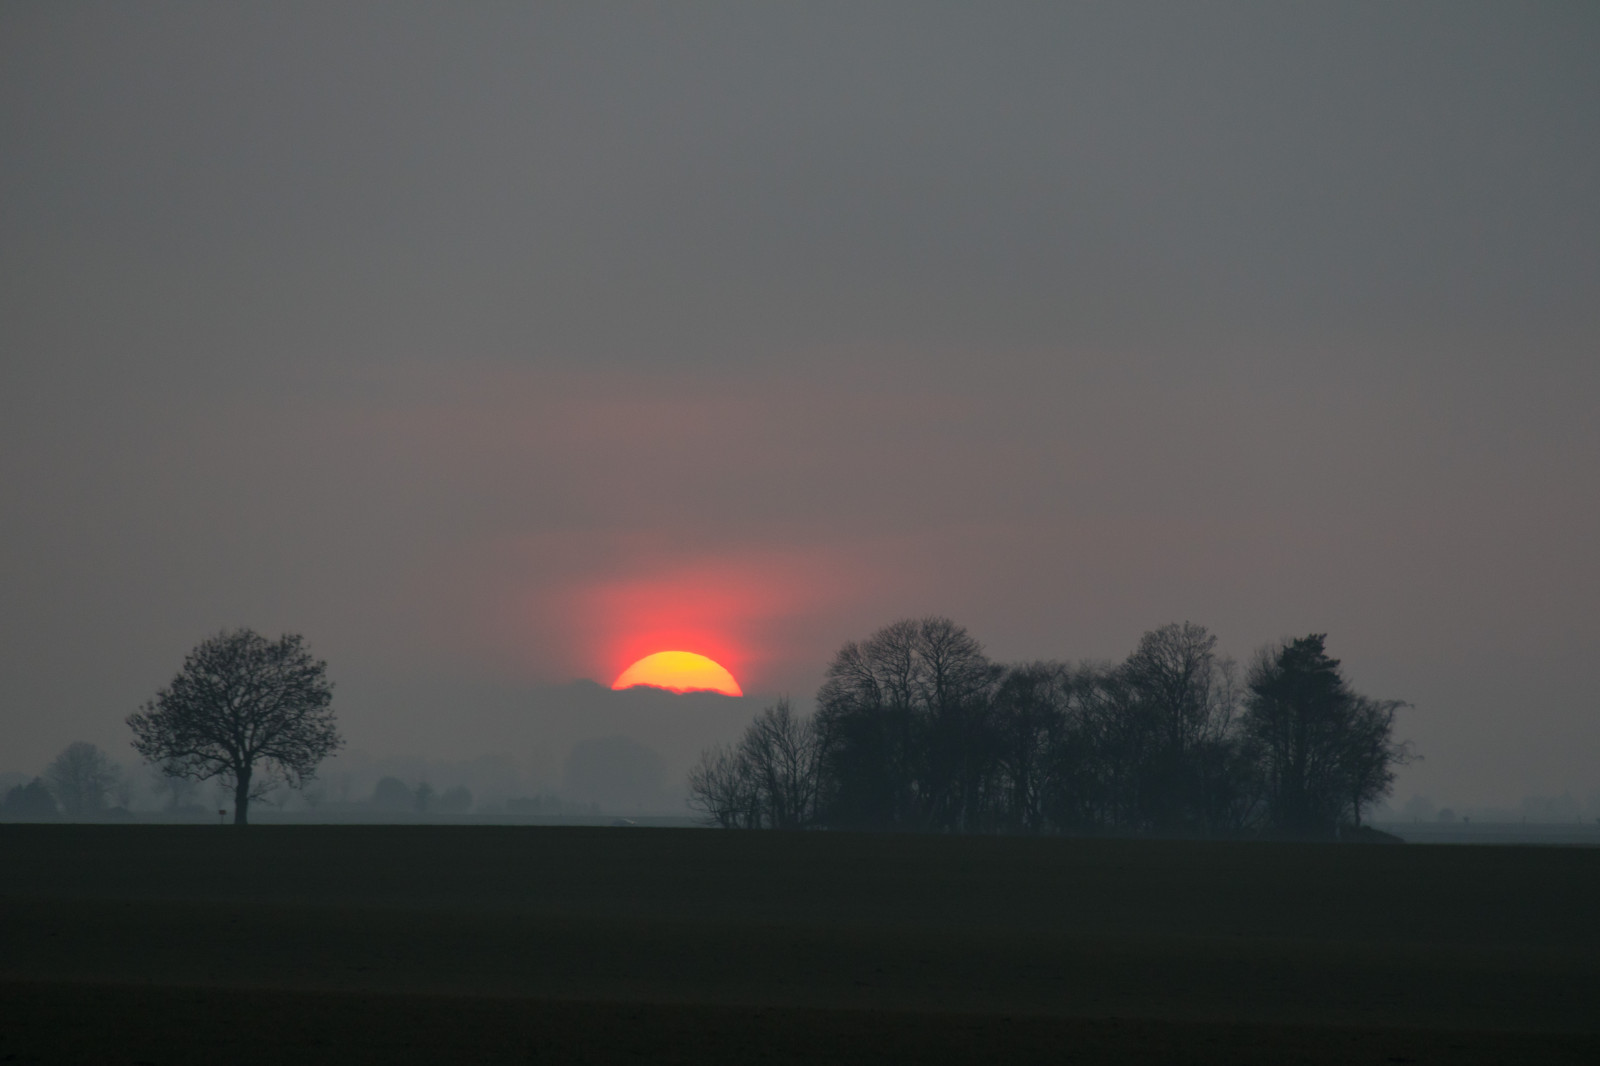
{"x": 494, "y": 346}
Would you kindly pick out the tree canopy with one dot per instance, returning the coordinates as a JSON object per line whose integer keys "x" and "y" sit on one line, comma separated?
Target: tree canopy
{"x": 251, "y": 712}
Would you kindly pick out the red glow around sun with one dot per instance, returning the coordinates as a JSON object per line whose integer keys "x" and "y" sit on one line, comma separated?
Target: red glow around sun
{"x": 679, "y": 671}
{"x": 740, "y": 610}
{"x": 710, "y": 608}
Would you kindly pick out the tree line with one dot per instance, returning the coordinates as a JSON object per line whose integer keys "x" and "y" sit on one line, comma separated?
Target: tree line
{"x": 916, "y": 729}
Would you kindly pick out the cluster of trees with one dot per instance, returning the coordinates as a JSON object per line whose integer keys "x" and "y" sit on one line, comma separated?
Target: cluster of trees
{"x": 548, "y": 803}
{"x": 30, "y": 802}
{"x": 393, "y": 794}
{"x": 917, "y": 729}
{"x": 81, "y": 782}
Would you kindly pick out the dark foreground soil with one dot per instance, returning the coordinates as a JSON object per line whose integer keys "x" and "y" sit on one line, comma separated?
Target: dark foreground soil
{"x": 175, "y": 945}
{"x": 96, "y": 1024}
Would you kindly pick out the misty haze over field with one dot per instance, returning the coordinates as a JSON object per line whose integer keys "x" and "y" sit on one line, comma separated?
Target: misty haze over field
{"x": 493, "y": 347}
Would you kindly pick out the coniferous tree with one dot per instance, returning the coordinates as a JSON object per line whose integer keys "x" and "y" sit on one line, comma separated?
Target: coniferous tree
{"x": 1324, "y": 751}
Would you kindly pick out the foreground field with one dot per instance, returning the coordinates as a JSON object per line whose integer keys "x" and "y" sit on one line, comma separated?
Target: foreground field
{"x": 338, "y": 944}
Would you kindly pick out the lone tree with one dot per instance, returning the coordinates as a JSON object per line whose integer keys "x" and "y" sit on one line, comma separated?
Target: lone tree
{"x": 252, "y": 712}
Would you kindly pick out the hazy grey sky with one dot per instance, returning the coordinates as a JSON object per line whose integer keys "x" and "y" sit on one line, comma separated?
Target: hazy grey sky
{"x": 487, "y": 344}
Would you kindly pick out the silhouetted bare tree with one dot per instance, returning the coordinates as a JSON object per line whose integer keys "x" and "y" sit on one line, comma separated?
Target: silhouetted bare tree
{"x": 1031, "y": 720}
{"x": 1079, "y": 782}
{"x": 768, "y": 780}
{"x": 1185, "y": 696}
{"x": 783, "y": 752}
{"x": 180, "y": 791}
{"x": 252, "y": 712}
{"x": 722, "y": 787}
{"x": 82, "y": 778}
{"x": 1371, "y": 753}
{"x": 1106, "y": 776}
{"x": 907, "y": 738}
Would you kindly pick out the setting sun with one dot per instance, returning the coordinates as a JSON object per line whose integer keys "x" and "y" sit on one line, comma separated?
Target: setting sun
{"x": 679, "y": 671}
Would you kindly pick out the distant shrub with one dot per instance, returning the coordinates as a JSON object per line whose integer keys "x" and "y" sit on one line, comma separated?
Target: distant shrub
{"x": 82, "y": 779}
{"x": 392, "y": 794}
{"x": 533, "y": 805}
{"x": 31, "y": 801}
{"x": 457, "y": 800}
{"x": 549, "y": 804}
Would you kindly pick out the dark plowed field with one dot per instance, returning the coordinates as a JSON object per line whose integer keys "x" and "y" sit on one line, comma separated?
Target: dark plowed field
{"x": 392, "y": 944}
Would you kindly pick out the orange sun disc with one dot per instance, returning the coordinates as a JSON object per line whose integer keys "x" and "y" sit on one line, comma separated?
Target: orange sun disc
{"x": 679, "y": 671}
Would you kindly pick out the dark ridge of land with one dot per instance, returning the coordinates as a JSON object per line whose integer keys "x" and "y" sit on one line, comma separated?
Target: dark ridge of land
{"x": 502, "y": 944}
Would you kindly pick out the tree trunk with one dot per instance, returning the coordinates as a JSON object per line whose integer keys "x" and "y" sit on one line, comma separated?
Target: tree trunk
{"x": 241, "y": 798}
